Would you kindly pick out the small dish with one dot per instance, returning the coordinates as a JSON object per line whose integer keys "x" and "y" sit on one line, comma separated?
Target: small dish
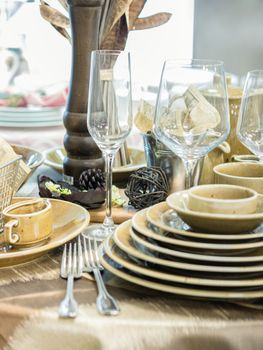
{"x": 247, "y": 174}
{"x": 222, "y": 199}
{"x": 215, "y": 223}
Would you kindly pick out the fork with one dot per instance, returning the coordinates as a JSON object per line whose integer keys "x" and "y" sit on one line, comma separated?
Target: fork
{"x": 71, "y": 267}
{"x": 105, "y": 303}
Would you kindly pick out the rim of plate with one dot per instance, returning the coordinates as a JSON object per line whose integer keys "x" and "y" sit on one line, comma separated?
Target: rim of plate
{"x": 184, "y": 279}
{"x": 59, "y": 166}
{"x": 198, "y": 293}
{"x": 131, "y": 250}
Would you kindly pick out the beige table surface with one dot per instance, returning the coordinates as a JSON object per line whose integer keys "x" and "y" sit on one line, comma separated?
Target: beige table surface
{"x": 30, "y": 294}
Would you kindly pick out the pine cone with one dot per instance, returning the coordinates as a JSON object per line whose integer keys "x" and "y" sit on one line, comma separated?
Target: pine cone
{"x": 92, "y": 179}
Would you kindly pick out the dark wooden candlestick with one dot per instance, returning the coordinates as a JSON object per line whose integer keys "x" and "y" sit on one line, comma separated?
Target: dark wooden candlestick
{"x": 82, "y": 152}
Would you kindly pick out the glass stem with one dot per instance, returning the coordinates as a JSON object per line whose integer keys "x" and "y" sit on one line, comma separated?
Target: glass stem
{"x": 190, "y": 174}
{"x": 108, "y": 222}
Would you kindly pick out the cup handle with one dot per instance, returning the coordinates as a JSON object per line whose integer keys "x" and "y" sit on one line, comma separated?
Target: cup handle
{"x": 9, "y": 235}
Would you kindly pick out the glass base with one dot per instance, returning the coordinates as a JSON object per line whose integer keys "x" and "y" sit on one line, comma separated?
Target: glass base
{"x": 171, "y": 219}
{"x": 98, "y": 231}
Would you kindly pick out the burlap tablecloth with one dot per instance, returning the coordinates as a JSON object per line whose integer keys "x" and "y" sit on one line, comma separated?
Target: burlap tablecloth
{"x": 30, "y": 295}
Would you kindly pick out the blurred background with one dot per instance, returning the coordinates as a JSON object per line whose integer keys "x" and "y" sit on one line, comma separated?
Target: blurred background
{"x": 227, "y": 30}
{"x": 35, "y": 60}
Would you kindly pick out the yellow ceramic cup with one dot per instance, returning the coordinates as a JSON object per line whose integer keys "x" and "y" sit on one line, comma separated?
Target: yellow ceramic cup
{"x": 28, "y": 222}
{"x": 222, "y": 199}
{"x": 240, "y": 174}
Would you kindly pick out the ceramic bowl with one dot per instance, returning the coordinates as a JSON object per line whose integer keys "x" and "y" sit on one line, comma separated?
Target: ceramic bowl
{"x": 240, "y": 174}
{"x": 222, "y": 199}
{"x": 215, "y": 223}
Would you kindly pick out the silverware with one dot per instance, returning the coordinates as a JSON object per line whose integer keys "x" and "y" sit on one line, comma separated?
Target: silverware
{"x": 71, "y": 267}
{"x": 106, "y": 304}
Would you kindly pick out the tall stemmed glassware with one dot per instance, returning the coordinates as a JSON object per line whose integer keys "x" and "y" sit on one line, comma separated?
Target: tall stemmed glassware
{"x": 109, "y": 115}
{"x": 191, "y": 116}
{"x": 250, "y": 120}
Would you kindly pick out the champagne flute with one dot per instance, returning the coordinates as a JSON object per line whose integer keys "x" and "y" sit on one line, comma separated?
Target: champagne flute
{"x": 250, "y": 119}
{"x": 191, "y": 116}
{"x": 109, "y": 116}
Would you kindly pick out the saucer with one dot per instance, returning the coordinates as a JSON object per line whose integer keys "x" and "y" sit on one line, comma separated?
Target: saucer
{"x": 158, "y": 215}
{"x": 69, "y": 220}
{"x": 215, "y": 223}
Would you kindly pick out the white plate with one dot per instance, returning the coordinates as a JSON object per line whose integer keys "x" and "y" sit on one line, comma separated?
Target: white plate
{"x": 31, "y": 118}
{"x": 28, "y": 110}
{"x": 31, "y": 124}
{"x": 157, "y": 214}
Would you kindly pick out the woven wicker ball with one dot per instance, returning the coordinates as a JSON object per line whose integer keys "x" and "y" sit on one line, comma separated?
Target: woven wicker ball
{"x": 147, "y": 186}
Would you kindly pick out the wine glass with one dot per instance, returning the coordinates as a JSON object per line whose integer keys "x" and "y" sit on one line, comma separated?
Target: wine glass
{"x": 191, "y": 115}
{"x": 250, "y": 119}
{"x": 109, "y": 116}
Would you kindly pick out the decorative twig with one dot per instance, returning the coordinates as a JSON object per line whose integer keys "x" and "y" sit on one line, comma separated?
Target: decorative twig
{"x": 151, "y": 21}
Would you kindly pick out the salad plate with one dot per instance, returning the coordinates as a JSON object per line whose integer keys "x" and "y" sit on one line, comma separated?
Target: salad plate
{"x": 69, "y": 220}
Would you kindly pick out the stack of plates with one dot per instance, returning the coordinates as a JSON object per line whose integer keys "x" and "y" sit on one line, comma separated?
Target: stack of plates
{"x": 151, "y": 252}
{"x": 30, "y": 117}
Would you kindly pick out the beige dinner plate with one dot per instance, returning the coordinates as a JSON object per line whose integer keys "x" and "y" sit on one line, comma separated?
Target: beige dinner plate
{"x": 156, "y": 215}
{"x": 117, "y": 255}
{"x": 69, "y": 220}
{"x": 123, "y": 240}
{"x": 215, "y": 223}
{"x": 127, "y": 275}
{"x": 251, "y": 257}
{"x": 141, "y": 227}
{"x": 54, "y": 158}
